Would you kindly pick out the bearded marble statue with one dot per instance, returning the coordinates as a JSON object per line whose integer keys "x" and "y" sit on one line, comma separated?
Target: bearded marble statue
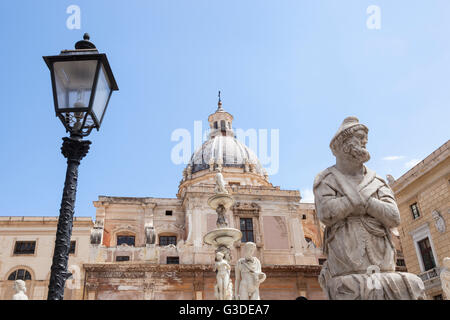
{"x": 248, "y": 275}
{"x": 223, "y": 289}
{"x": 359, "y": 210}
{"x": 20, "y": 289}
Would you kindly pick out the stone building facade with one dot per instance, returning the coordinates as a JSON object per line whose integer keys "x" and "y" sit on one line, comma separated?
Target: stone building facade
{"x": 423, "y": 198}
{"x": 26, "y": 252}
{"x": 152, "y": 248}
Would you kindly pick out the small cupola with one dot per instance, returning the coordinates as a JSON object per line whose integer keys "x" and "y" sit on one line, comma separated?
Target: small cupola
{"x": 220, "y": 122}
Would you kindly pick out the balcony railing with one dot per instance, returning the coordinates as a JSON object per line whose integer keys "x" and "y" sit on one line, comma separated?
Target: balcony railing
{"x": 430, "y": 274}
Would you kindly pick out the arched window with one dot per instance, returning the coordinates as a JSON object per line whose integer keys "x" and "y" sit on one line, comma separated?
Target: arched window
{"x": 165, "y": 240}
{"x": 125, "y": 239}
{"x": 222, "y": 125}
{"x": 215, "y": 124}
{"x": 311, "y": 244}
{"x": 20, "y": 274}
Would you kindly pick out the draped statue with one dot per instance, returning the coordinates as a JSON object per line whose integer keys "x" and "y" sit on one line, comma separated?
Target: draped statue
{"x": 359, "y": 210}
{"x": 248, "y": 275}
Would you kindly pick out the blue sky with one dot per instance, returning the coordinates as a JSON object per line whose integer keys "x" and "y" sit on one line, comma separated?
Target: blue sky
{"x": 297, "y": 66}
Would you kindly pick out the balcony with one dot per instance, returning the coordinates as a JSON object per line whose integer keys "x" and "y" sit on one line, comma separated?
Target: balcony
{"x": 431, "y": 278}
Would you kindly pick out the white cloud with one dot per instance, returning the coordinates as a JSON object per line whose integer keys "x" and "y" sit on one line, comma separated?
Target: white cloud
{"x": 412, "y": 163}
{"x": 307, "y": 195}
{"x": 392, "y": 158}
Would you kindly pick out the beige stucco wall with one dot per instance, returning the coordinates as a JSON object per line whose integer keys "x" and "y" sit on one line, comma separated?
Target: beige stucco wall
{"x": 428, "y": 185}
{"x": 43, "y": 231}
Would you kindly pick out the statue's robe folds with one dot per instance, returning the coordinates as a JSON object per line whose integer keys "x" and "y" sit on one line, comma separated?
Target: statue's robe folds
{"x": 357, "y": 239}
{"x": 253, "y": 267}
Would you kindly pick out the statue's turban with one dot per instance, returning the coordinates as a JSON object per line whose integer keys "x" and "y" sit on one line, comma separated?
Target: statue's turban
{"x": 346, "y": 128}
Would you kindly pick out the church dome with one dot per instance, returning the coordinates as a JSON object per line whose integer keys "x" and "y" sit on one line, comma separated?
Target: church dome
{"x": 223, "y": 150}
{"x": 227, "y": 151}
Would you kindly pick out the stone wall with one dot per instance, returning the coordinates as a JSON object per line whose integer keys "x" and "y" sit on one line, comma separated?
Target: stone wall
{"x": 191, "y": 282}
{"x": 428, "y": 185}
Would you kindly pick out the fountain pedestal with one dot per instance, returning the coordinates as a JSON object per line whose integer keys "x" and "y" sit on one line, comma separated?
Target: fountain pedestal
{"x": 223, "y": 237}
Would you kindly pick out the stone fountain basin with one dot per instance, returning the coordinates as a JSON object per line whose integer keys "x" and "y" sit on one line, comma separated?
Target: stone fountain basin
{"x": 222, "y": 237}
{"x": 224, "y": 199}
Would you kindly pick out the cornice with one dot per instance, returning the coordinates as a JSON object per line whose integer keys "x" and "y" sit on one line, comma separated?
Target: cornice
{"x": 425, "y": 166}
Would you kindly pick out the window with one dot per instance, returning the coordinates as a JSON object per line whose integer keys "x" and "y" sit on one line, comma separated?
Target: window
{"x": 24, "y": 247}
{"x": 168, "y": 212}
{"x": 128, "y": 240}
{"x": 73, "y": 244}
{"x": 415, "y": 210}
{"x": 122, "y": 258}
{"x": 427, "y": 254}
{"x": 215, "y": 125}
{"x": 401, "y": 263}
{"x": 166, "y": 240}
{"x": 438, "y": 297}
{"x": 222, "y": 125}
{"x": 231, "y": 183}
{"x": 173, "y": 260}
{"x": 322, "y": 261}
{"x": 20, "y": 274}
{"x": 304, "y": 217}
{"x": 247, "y": 230}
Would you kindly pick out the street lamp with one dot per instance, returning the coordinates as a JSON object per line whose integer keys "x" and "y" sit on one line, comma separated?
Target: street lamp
{"x": 82, "y": 83}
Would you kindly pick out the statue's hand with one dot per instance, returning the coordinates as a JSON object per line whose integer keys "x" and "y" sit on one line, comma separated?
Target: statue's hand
{"x": 359, "y": 209}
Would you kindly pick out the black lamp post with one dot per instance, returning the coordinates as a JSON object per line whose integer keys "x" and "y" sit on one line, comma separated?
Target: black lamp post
{"x": 82, "y": 83}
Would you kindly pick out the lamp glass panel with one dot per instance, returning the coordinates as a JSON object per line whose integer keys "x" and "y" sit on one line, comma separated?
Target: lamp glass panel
{"x": 101, "y": 94}
{"x": 74, "y": 81}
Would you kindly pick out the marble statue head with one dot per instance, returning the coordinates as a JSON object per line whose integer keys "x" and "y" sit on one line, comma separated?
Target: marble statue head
{"x": 349, "y": 142}
{"x": 446, "y": 263}
{"x": 19, "y": 286}
{"x": 249, "y": 249}
{"x": 219, "y": 256}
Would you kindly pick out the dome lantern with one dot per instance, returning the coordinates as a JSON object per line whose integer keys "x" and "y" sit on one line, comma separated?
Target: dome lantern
{"x": 220, "y": 122}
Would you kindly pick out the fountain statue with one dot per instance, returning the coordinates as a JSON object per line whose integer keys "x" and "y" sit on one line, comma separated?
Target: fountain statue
{"x": 20, "y": 289}
{"x": 248, "y": 275}
{"x": 224, "y": 288}
{"x": 222, "y": 238}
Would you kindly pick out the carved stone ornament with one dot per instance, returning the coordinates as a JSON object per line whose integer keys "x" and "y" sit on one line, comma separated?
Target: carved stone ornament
{"x": 439, "y": 222}
{"x": 97, "y": 232}
{"x": 150, "y": 236}
{"x": 245, "y": 208}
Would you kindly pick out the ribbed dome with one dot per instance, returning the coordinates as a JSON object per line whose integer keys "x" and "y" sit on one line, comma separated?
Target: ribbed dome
{"x": 222, "y": 149}
{"x": 225, "y": 150}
